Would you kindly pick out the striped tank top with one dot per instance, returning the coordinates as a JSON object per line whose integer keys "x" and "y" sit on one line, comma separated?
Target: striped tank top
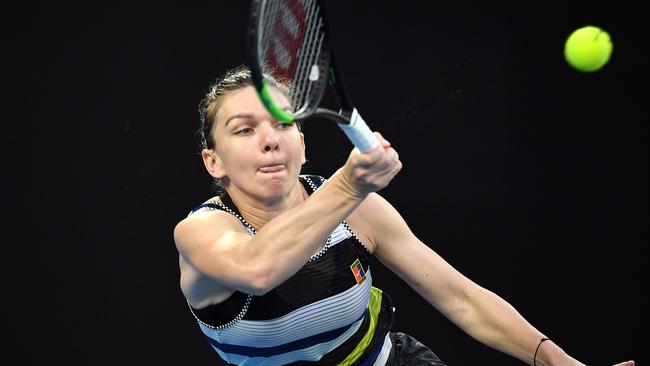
{"x": 327, "y": 313}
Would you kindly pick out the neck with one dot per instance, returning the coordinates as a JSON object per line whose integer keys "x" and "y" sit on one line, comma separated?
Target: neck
{"x": 260, "y": 211}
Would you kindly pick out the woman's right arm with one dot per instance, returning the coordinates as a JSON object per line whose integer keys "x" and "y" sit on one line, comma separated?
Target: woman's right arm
{"x": 217, "y": 246}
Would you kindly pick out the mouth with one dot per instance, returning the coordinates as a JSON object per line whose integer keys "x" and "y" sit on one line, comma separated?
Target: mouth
{"x": 272, "y": 168}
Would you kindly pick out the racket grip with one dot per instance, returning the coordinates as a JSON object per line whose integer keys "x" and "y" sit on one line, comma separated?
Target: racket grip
{"x": 359, "y": 133}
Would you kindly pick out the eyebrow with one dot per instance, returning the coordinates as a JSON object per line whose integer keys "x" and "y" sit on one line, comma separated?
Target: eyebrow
{"x": 238, "y": 115}
{"x": 249, "y": 116}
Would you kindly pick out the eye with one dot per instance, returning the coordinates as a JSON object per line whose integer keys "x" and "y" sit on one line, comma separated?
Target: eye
{"x": 244, "y": 131}
{"x": 285, "y": 125}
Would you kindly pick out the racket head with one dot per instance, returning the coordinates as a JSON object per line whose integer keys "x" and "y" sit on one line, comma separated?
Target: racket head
{"x": 288, "y": 41}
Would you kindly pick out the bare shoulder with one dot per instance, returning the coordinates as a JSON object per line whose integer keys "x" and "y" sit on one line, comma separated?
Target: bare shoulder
{"x": 376, "y": 221}
{"x": 195, "y": 238}
{"x": 204, "y": 224}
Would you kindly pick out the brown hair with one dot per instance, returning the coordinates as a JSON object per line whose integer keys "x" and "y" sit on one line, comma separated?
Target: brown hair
{"x": 234, "y": 79}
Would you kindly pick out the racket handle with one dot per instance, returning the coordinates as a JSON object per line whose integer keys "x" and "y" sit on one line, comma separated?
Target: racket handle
{"x": 359, "y": 133}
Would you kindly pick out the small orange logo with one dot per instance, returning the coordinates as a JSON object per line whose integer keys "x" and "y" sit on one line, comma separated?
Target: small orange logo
{"x": 358, "y": 272}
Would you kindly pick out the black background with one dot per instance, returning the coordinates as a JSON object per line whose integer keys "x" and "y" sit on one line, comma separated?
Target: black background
{"x": 526, "y": 175}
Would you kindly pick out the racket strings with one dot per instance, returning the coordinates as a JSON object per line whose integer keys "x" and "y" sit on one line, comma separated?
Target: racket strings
{"x": 308, "y": 70}
{"x": 292, "y": 42}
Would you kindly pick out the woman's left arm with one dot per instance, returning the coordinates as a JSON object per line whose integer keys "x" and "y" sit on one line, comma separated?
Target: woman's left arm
{"x": 477, "y": 311}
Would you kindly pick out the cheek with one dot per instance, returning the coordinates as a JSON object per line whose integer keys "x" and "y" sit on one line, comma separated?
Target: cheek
{"x": 238, "y": 158}
{"x": 301, "y": 151}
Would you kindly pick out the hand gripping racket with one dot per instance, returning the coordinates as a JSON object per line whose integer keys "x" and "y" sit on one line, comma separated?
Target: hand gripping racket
{"x": 289, "y": 40}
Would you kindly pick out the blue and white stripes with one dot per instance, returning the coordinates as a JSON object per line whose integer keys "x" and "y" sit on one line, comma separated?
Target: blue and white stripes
{"x": 328, "y": 311}
{"x": 304, "y": 334}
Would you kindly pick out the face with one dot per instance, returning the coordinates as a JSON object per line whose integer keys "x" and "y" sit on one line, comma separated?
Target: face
{"x": 254, "y": 154}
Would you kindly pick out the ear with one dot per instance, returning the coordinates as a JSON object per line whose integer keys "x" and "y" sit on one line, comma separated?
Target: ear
{"x": 304, "y": 156}
{"x": 213, "y": 163}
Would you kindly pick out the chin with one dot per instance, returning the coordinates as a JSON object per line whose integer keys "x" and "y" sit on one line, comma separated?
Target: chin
{"x": 278, "y": 187}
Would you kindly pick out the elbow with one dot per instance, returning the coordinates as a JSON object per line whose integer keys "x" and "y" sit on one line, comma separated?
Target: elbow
{"x": 262, "y": 282}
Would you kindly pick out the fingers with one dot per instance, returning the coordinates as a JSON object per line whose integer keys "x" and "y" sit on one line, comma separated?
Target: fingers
{"x": 392, "y": 164}
{"x": 626, "y": 363}
{"x": 382, "y": 141}
{"x": 380, "y": 154}
{"x": 381, "y": 157}
{"x": 373, "y": 170}
{"x": 389, "y": 158}
{"x": 385, "y": 161}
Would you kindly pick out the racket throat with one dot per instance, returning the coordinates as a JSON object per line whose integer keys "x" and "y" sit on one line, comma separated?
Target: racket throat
{"x": 343, "y": 117}
{"x": 359, "y": 133}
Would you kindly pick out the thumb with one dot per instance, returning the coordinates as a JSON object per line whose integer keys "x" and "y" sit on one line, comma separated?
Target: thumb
{"x": 626, "y": 363}
{"x": 382, "y": 141}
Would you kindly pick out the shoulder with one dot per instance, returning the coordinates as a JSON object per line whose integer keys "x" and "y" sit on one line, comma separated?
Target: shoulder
{"x": 377, "y": 222}
{"x": 203, "y": 221}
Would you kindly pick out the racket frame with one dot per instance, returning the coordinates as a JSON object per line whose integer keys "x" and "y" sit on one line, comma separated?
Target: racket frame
{"x": 347, "y": 117}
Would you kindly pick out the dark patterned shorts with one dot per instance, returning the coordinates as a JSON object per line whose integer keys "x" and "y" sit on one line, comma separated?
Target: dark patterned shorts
{"x": 408, "y": 351}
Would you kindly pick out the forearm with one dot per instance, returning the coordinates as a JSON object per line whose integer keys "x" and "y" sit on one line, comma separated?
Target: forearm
{"x": 494, "y": 322}
{"x": 283, "y": 245}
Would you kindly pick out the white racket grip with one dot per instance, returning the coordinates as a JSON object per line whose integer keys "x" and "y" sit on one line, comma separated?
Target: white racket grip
{"x": 359, "y": 133}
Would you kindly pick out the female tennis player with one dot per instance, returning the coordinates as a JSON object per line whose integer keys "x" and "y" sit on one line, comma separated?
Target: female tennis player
{"x": 275, "y": 267}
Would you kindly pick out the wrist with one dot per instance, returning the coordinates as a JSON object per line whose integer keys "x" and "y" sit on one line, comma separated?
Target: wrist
{"x": 346, "y": 187}
{"x": 550, "y": 354}
{"x": 537, "y": 352}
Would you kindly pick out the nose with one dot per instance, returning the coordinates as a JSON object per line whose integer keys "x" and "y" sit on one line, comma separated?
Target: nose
{"x": 269, "y": 138}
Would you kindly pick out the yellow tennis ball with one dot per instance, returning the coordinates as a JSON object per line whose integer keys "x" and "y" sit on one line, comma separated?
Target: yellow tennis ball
{"x": 588, "y": 48}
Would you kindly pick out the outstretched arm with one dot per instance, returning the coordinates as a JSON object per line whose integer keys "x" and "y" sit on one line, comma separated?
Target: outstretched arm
{"x": 216, "y": 245}
{"x": 479, "y": 312}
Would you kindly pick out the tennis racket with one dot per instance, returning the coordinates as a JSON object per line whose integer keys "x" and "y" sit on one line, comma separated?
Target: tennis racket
{"x": 289, "y": 40}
